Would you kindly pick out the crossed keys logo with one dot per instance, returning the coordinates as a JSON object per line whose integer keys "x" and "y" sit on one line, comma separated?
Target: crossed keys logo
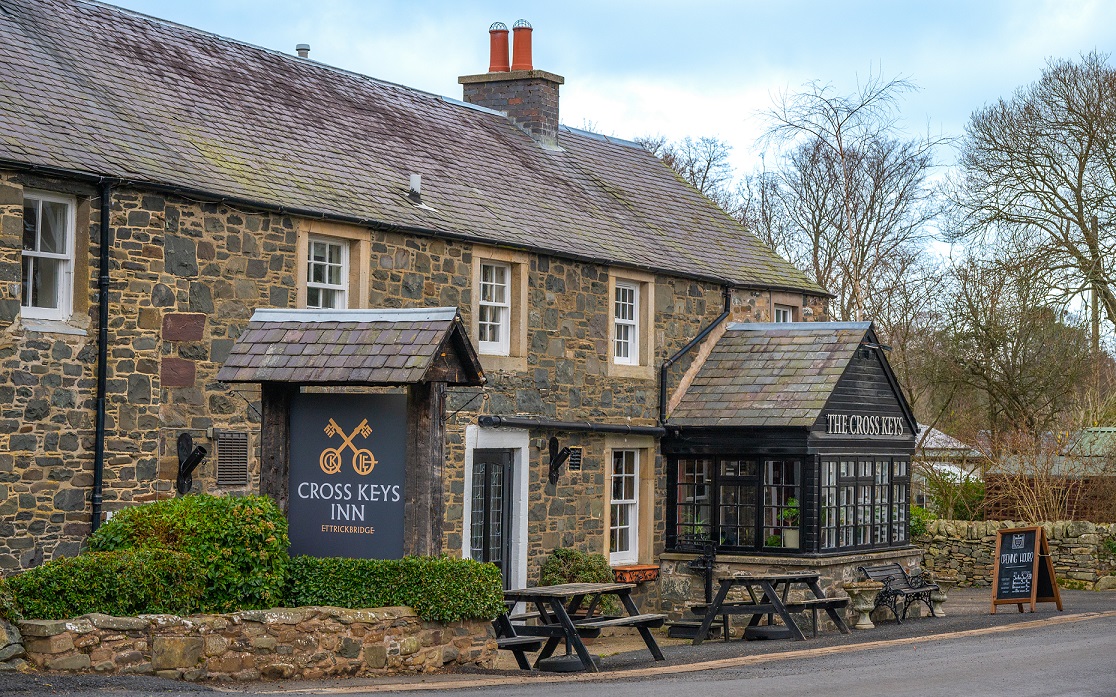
{"x": 363, "y": 460}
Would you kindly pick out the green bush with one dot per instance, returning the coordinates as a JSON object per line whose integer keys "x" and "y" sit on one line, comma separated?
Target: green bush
{"x": 120, "y": 583}
{"x": 9, "y": 610}
{"x": 441, "y": 589}
{"x": 239, "y": 542}
{"x": 565, "y": 565}
{"x": 920, "y": 520}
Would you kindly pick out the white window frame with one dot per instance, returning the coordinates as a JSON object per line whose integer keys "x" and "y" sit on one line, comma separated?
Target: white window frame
{"x": 503, "y": 309}
{"x": 342, "y": 288}
{"x": 65, "y": 288}
{"x": 783, "y": 313}
{"x": 625, "y": 325}
{"x": 630, "y": 555}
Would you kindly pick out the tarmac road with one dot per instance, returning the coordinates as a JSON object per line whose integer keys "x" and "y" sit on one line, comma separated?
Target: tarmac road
{"x": 969, "y": 652}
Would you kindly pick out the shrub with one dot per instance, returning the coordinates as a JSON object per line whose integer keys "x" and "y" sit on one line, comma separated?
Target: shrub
{"x": 9, "y": 610}
{"x": 441, "y": 589}
{"x": 565, "y": 565}
{"x": 920, "y": 521}
{"x": 121, "y": 583}
{"x": 240, "y": 543}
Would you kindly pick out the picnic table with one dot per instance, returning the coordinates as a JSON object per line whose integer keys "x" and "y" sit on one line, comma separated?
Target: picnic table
{"x": 768, "y": 595}
{"x": 560, "y": 616}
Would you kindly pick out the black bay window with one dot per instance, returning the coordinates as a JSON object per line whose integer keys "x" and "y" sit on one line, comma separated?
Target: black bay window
{"x": 765, "y": 504}
{"x": 737, "y": 503}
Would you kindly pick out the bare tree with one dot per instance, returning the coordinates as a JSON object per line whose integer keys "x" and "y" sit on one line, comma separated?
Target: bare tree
{"x": 1040, "y": 169}
{"x": 703, "y": 162}
{"x": 759, "y": 207}
{"x": 1006, "y": 351}
{"x": 857, "y": 192}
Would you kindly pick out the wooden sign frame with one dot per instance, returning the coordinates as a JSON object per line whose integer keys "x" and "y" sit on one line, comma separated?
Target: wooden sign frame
{"x": 1042, "y": 571}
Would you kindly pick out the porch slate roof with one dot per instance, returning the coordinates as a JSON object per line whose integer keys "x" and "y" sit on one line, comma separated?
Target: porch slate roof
{"x": 769, "y": 374}
{"x": 370, "y": 347}
{"x": 96, "y": 89}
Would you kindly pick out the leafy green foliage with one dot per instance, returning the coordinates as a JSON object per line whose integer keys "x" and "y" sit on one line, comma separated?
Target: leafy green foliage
{"x": 120, "y": 583}
{"x": 565, "y": 565}
{"x": 1108, "y": 546}
{"x": 240, "y": 543}
{"x": 920, "y": 521}
{"x": 441, "y": 589}
{"x": 9, "y": 609}
{"x": 955, "y": 497}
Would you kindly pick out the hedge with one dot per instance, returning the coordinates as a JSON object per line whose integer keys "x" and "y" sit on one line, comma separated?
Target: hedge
{"x": 441, "y": 589}
{"x": 119, "y": 583}
{"x": 239, "y": 543}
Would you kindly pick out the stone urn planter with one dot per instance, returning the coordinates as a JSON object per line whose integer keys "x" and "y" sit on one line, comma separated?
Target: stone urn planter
{"x": 938, "y": 598}
{"x": 862, "y": 599}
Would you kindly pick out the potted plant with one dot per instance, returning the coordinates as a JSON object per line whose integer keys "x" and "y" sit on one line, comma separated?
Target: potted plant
{"x": 789, "y": 517}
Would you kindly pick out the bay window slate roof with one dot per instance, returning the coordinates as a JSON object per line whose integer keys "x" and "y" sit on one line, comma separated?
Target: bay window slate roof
{"x": 770, "y": 374}
{"x": 97, "y": 89}
{"x": 370, "y": 347}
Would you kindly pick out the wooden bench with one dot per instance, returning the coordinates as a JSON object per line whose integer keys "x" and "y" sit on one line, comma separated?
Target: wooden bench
{"x": 507, "y": 639}
{"x": 647, "y": 621}
{"x": 519, "y": 645}
{"x": 899, "y": 585}
{"x": 808, "y": 604}
{"x": 815, "y": 604}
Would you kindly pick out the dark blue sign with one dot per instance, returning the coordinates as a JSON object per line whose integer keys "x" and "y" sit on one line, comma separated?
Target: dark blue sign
{"x": 348, "y": 453}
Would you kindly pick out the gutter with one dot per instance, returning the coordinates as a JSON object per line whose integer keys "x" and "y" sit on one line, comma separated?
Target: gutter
{"x": 665, "y": 367}
{"x": 490, "y": 421}
{"x": 102, "y": 355}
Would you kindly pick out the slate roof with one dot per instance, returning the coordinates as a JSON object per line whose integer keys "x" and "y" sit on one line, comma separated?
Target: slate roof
{"x": 91, "y": 88}
{"x": 769, "y": 374}
{"x": 316, "y": 347}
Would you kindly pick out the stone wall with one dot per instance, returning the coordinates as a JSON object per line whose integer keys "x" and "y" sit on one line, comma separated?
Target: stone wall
{"x": 185, "y": 278}
{"x": 306, "y": 642}
{"x": 966, "y": 549}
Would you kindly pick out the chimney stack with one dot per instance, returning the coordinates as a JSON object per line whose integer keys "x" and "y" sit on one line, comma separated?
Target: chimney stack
{"x": 303, "y": 50}
{"x": 529, "y": 97}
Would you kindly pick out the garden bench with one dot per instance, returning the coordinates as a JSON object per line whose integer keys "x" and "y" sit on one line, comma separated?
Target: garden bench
{"x": 899, "y": 585}
{"x": 508, "y": 640}
{"x": 647, "y": 621}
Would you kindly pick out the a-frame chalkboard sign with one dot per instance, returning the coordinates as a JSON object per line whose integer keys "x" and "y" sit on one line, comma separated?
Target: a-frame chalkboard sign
{"x": 1023, "y": 570}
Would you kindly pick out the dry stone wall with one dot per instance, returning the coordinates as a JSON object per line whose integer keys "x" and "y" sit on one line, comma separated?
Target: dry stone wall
{"x": 1082, "y": 557}
{"x": 305, "y": 642}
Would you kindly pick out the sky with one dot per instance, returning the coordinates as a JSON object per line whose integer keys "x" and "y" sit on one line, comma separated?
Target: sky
{"x": 694, "y": 68}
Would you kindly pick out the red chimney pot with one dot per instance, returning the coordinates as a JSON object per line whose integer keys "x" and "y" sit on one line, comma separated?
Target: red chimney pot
{"x": 521, "y": 46}
{"x": 498, "y": 48}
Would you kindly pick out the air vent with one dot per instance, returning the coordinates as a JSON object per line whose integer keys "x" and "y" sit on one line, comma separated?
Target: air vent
{"x": 232, "y": 458}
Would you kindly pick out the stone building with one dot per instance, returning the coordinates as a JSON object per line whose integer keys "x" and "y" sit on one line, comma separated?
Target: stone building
{"x": 159, "y": 185}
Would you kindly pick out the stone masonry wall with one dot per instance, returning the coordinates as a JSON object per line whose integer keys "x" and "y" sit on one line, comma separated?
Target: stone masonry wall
{"x": 186, "y": 277}
{"x": 305, "y": 642}
{"x": 966, "y": 549}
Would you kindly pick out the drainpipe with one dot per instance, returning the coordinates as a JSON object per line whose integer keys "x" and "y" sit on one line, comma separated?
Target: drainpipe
{"x": 665, "y": 367}
{"x": 102, "y": 355}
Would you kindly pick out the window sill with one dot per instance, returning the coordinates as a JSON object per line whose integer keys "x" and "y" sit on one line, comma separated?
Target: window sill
{"x": 636, "y": 372}
{"x": 51, "y": 326}
{"x": 507, "y": 364}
